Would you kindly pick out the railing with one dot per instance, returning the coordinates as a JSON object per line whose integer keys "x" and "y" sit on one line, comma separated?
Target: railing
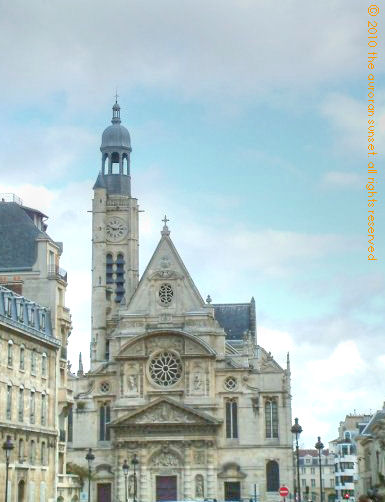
{"x": 54, "y": 271}
{"x": 10, "y": 197}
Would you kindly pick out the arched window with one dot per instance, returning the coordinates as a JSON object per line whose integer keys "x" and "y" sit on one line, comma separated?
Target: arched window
{"x": 32, "y": 404}
{"x": 272, "y": 476}
{"x": 21, "y": 451}
{"x": 9, "y": 402}
{"x": 33, "y": 361}
{"x": 231, "y": 419}
{"x": 43, "y": 417}
{"x": 21, "y": 403}
{"x": 32, "y": 452}
{"x": 22, "y": 357}
{"x": 105, "y": 164}
{"x": 10, "y": 353}
{"x": 271, "y": 419}
{"x": 104, "y": 420}
{"x": 119, "y": 278}
{"x": 70, "y": 425}
{"x": 43, "y": 455}
{"x": 44, "y": 364}
{"x": 109, "y": 269}
{"x": 115, "y": 163}
{"x": 125, "y": 164}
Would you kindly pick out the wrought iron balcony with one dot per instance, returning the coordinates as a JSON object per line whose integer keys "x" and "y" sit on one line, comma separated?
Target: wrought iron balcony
{"x": 55, "y": 272}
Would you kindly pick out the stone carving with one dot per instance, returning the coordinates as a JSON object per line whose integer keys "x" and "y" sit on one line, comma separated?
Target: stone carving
{"x": 198, "y": 382}
{"x": 199, "y": 457}
{"x": 165, "y": 262}
{"x": 165, "y": 413}
{"x": 164, "y": 342}
{"x": 165, "y": 460}
{"x": 194, "y": 348}
{"x": 132, "y": 384}
{"x": 199, "y": 488}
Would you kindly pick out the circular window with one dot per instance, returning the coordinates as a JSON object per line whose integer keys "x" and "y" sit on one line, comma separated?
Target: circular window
{"x": 104, "y": 387}
{"x": 165, "y": 368}
{"x": 230, "y": 383}
{"x": 165, "y": 294}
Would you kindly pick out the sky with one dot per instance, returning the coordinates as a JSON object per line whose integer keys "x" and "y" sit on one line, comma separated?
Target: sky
{"x": 249, "y": 130}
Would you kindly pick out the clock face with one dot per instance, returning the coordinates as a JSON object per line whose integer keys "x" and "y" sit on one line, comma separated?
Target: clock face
{"x": 116, "y": 229}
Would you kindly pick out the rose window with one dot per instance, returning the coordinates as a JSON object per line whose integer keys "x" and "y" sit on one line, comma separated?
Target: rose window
{"x": 104, "y": 387}
{"x": 165, "y": 368}
{"x": 230, "y": 383}
{"x": 165, "y": 294}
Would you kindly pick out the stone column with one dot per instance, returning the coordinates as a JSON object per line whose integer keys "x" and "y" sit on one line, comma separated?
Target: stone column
{"x": 119, "y": 475}
{"x": 211, "y": 477}
{"x": 143, "y": 476}
{"x": 187, "y": 485}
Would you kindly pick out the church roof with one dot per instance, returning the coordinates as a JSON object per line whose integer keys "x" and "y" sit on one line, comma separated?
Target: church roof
{"x": 236, "y": 318}
{"x": 18, "y": 250}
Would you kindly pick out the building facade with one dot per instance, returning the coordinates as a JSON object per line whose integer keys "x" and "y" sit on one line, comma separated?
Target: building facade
{"x": 176, "y": 382}
{"x": 371, "y": 456}
{"x": 310, "y": 475}
{"x": 30, "y": 266}
{"x": 28, "y": 393}
{"x": 345, "y": 450}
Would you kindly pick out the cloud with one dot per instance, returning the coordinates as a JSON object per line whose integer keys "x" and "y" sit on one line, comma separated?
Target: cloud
{"x": 238, "y": 48}
{"x": 339, "y": 179}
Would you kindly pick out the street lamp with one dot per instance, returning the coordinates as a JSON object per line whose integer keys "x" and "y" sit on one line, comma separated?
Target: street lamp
{"x": 319, "y": 446}
{"x": 90, "y": 457}
{"x": 7, "y": 447}
{"x": 125, "y": 468}
{"x": 134, "y": 463}
{"x": 297, "y": 429}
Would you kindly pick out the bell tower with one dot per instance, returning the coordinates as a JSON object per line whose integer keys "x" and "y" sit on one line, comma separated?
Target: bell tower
{"x": 115, "y": 239}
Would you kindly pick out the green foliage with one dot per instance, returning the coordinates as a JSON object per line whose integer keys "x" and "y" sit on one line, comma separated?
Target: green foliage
{"x": 80, "y": 471}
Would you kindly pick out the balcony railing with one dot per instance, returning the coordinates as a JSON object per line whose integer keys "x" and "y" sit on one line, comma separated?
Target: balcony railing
{"x": 55, "y": 272}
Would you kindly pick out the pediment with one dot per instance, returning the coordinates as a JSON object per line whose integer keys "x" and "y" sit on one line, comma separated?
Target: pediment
{"x": 165, "y": 411}
{"x": 166, "y": 287}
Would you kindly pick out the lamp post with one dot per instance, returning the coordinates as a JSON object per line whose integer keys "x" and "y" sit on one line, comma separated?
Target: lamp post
{"x": 319, "y": 446}
{"x": 7, "y": 447}
{"x": 90, "y": 457}
{"x": 125, "y": 468}
{"x": 134, "y": 463}
{"x": 297, "y": 429}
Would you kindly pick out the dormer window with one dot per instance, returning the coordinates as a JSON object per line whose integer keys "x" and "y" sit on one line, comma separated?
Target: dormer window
{"x": 20, "y": 311}
{"x": 9, "y": 306}
{"x": 42, "y": 321}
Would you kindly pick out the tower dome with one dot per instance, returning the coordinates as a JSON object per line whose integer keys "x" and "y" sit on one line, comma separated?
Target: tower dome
{"x": 116, "y": 149}
{"x": 116, "y": 135}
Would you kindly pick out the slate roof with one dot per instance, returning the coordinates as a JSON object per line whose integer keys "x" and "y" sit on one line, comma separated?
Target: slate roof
{"x": 379, "y": 415}
{"x": 18, "y": 235}
{"x": 21, "y": 313}
{"x": 236, "y": 318}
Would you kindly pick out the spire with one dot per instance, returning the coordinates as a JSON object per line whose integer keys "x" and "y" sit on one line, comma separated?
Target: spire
{"x": 116, "y": 111}
{"x": 80, "y": 369}
{"x": 165, "y": 230}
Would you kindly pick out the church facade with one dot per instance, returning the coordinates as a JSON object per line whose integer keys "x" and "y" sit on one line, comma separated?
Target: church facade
{"x": 178, "y": 386}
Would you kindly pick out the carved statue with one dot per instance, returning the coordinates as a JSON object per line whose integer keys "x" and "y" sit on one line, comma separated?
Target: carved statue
{"x": 199, "y": 489}
{"x": 197, "y": 382}
{"x": 132, "y": 383}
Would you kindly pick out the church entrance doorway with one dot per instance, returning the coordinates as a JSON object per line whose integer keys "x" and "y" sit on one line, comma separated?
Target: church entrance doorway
{"x": 166, "y": 488}
{"x": 104, "y": 492}
{"x": 232, "y": 490}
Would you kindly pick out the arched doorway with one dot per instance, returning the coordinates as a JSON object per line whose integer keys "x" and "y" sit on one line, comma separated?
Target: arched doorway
{"x": 21, "y": 491}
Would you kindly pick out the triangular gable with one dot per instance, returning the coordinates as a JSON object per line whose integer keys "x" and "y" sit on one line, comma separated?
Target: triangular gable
{"x": 167, "y": 412}
{"x": 165, "y": 268}
{"x": 268, "y": 364}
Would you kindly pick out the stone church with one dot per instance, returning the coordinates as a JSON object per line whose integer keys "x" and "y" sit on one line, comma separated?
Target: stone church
{"x": 178, "y": 386}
